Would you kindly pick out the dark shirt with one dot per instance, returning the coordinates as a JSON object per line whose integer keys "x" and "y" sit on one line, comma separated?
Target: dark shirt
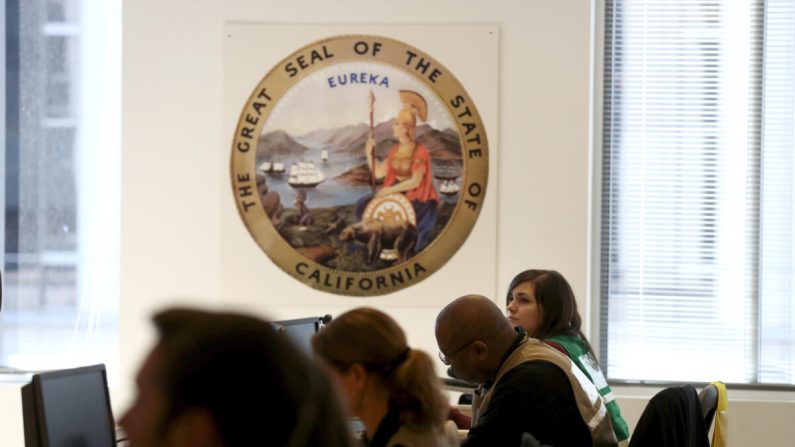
{"x": 672, "y": 418}
{"x": 387, "y": 428}
{"x": 534, "y": 397}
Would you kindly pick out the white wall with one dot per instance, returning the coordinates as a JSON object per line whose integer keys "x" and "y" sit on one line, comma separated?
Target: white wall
{"x": 180, "y": 229}
{"x": 176, "y": 194}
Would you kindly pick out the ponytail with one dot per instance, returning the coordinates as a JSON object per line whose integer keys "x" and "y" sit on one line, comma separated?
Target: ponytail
{"x": 415, "y": 391}
{"x": 374, "y": 340}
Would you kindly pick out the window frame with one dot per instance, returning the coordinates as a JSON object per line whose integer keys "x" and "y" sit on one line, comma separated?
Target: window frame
{"x": 596, "y": 289}
{"x": 94, "y": 314}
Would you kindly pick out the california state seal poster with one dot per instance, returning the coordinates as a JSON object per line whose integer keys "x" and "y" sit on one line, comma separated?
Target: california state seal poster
{"x": 359, "y": 164}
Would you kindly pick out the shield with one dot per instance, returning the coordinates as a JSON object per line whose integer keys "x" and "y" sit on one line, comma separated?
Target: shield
{"x": 391, "y": 209}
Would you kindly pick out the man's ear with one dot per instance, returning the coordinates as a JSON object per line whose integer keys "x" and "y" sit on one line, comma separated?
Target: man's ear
{"x": 195, "y": 427}
{"x": 480, "y": 351}
{"x": 357, "y": 375}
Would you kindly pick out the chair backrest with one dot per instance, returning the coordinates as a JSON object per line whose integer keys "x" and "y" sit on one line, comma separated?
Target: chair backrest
{"x": 708, "y": 398}
{"x": 671, "y": 418}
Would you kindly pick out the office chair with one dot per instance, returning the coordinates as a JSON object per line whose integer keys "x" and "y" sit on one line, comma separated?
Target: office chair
{"x": 672, "y": 418}
{"x": 708, "y": 398}
{"x": 714, "y": 402}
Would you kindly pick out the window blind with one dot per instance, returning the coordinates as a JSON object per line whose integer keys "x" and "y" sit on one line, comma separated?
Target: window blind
{"x": 696, "y": 219}
{"x": 60, "y": 232}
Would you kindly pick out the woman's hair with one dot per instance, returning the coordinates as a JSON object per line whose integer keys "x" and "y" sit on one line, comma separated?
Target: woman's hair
{"x": 557, "y": 306}
{"x": 373, "y": 339}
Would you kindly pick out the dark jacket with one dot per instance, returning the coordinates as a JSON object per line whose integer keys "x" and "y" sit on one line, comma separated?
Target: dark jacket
{"x": 534, "y": 397}
{"x": 672, "y": 418}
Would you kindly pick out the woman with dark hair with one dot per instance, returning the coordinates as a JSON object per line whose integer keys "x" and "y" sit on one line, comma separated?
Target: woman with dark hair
{"x": 392, "y": 388}
{"x": 542, "y": 302}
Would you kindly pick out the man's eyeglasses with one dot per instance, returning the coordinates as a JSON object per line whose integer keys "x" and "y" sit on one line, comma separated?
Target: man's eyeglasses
{"x": 445, "y": 358}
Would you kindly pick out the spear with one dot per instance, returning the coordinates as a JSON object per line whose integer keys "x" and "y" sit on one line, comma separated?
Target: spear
{"x": 371, "y": 101}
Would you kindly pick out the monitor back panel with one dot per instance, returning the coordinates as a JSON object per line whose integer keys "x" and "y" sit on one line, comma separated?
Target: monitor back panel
{"x": 73, "y": 408}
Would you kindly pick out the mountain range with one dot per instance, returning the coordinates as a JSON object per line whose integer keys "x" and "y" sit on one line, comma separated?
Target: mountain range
{"x": 278, "y": 142}
{"x": 443, "y": 145}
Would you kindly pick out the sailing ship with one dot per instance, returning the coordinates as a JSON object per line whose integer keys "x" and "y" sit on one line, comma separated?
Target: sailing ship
{"x": 277, "y": 168}
{"x": 324, "y": 156}
{"x": 449, "y": 187}
{"x": 305, "y": 174}
{"x": 448, "y": 176}
{"x": 273, "y": 168}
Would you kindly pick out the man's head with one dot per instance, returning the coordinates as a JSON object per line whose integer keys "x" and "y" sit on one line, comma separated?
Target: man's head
{"x": 227, "y": 379}
{"x": 473, "y": 336}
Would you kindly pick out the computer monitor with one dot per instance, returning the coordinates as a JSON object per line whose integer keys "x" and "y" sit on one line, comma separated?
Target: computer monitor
{"x": 301, "y": 330}
{"x": 69, "y": 407}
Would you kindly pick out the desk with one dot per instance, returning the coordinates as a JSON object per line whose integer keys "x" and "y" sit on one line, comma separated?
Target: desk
{"x": 11, "y": 431}
{"x": 458, "y": 385}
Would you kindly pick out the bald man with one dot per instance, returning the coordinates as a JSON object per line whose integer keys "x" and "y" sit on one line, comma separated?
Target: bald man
{"x": 526, "y": 386}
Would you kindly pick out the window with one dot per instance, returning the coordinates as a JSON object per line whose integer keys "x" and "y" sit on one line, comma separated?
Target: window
{"x": 61, "y": 163}
{"x": 697, "y": 167}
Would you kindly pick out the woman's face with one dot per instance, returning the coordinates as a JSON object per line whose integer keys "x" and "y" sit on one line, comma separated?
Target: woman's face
{"x": 523, "y": 309}
{"x": 401, "y": 125}
{"x": 400, "y": 130}
{"x": 348, "y": 388}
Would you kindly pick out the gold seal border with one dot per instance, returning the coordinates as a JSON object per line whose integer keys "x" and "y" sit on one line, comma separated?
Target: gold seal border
{"x": 359, "y": 48}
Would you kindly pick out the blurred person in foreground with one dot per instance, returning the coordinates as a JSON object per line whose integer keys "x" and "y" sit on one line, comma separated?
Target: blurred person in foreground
{"x": 225, "y": 379}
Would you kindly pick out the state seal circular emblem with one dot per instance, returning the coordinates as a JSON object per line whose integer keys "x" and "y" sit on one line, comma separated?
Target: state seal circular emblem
{"x": 359, "y": 165}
